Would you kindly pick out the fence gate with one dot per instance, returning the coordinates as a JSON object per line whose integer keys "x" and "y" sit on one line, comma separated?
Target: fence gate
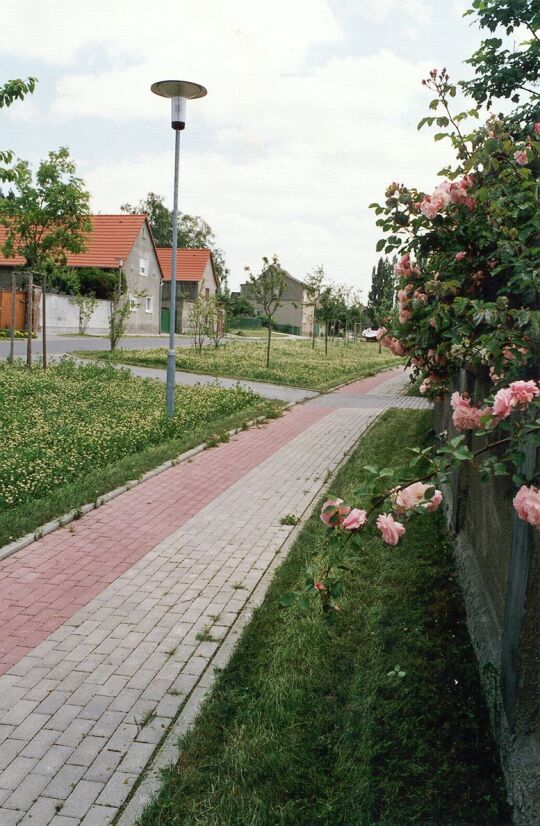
{"x": 6, "y": 303}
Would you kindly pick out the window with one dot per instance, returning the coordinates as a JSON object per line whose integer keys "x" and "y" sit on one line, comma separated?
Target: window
{"x": 143, "y": 266}
{"x": 148, "y": 304}
{"x": 207, "y": 293}
{"x": 144, "y": 231}
{"x": 133, "y": 303}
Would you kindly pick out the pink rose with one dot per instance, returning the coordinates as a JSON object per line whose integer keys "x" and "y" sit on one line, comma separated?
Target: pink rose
{"x": 404, "y": 316}
{"x": 523, "y": 392}
{"x": 404, "y": 268}
{"x": 391, "y": 530}
{"x": 443, "y": 192}
{"x": 521, "y": 157}
{"x": 504, "y": 403}
{"x": 380, "y": 333}
{"x": 414, "y": 496}
{"x": 424, "y": 387}
{"x": 433, "y": 503}
{"x": 527, "y": 505}
{"x": 333, "y": 512}
{"x": 460, "y": 255}
{"x": 396, "y": 347}
{"x": 319, "y": 586}
{"x": 355, "y": 520}
{"x": 465, "y": 415}
{"x": 430, "y": 206}
{"x": 536, "y": 128}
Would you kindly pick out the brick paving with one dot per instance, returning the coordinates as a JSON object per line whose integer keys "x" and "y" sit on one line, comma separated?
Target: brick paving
{"x": 114, "y": 627}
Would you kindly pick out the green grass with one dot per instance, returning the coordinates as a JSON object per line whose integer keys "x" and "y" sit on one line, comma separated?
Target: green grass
{"x": 292, "y": 362}
{"x": 305, "y": 726}
{"x": 72, "y": 434}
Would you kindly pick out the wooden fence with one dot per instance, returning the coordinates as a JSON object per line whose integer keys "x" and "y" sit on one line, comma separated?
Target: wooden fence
{"x": 498, "y": 559}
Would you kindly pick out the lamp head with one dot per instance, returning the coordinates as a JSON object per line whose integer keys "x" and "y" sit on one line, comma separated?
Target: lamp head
{"x": 178, "y": 91}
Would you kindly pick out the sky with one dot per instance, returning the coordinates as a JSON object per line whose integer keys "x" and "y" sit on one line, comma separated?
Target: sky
{"x": 311, "y": 112}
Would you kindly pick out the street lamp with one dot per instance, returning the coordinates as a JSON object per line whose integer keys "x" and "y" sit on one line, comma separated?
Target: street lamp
{"x": 179, "y": 91}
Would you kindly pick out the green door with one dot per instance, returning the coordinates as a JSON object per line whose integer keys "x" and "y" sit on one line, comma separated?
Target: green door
{"x": 165, "y": 320}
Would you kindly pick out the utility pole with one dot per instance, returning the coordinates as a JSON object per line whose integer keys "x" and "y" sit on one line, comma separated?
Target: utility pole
{"x": 44, "y": 319}
{"x": 29, "y": 316}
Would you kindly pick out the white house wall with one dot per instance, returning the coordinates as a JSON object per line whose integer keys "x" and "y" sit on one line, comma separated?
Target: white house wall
{"x": 140, "y": 320}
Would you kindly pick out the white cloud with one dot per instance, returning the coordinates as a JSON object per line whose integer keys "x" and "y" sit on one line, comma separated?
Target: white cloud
{"x": 299, "y": 132}
{"x": 329, "y": 146}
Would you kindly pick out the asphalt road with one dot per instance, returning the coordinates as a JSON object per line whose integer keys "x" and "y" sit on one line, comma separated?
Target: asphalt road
{"x": 57, "y": 345}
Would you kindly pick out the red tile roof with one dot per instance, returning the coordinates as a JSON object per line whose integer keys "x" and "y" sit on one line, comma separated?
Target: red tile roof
{"x": 109, "y": 242}
{"x": 190, "y": 263}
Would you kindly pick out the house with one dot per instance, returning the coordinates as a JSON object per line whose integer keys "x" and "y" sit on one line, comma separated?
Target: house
{"x": 195, "y": 278}
{"x": 115, "y": 243}
{"x": 295, "y": 312}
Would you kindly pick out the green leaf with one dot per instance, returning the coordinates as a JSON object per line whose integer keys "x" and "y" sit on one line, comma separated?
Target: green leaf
{"x": 287, "y": 600}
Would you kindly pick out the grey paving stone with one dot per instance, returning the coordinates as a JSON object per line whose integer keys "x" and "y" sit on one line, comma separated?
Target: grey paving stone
{"x": 52, "y": 760}
{"x": 99, "y": 816}
{"x": 87, "y": 751}
{"x": 16, "y": 771}
{"x": 27, "y": 792}
{"x": 61, "y": 786}
{"x": 117, "y": 789}
{"x": 81, "y": 798}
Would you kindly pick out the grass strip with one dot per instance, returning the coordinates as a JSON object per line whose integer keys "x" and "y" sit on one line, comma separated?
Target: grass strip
{"x": 305, "y": 725}
{"x": 293, "y": 363}
{"x": 28, "y": 516}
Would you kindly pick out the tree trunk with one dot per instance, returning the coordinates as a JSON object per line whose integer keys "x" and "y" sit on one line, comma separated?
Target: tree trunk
{"x": 314, "y": 328}
{"x": 13, "y": 317}
{"x": 326, "y": 338}
{"x": 30, "y": 313}
{"x": 268, "y": 345}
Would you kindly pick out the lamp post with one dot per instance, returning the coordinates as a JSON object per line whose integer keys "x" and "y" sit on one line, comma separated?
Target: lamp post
{"x": 179, "y": 91}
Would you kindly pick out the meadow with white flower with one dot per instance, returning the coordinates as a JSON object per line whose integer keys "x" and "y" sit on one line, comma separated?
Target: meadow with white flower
{"x": 291, "y": 362}
{"x": 58, "y": 426}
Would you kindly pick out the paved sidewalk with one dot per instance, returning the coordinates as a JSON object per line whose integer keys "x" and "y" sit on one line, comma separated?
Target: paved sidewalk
{"x": 112, "y": 626}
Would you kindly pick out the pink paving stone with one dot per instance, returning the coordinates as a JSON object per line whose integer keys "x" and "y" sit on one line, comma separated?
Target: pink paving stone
{"x": 108, "y": 541}
{"x": 363, "y": 385}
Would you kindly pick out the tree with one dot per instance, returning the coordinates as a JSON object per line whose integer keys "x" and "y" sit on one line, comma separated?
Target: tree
{"x": 121, "y": 306}
{"x": 237, "y": 305}
{"x": 314, "y": 286}
{"x": 381, "y": 294}
{"x": 214, "y": 320}
{"x": 47, "y": 218}
{"x": 193, "y": 231}
{"x": 332, "y": 307}
{"x": 503, "y": 72}
{"x": 10, "y": 92}
{"x": 86, "y": 304}
{"x": 266, "y": 290}
{"x": 198, "y": 322}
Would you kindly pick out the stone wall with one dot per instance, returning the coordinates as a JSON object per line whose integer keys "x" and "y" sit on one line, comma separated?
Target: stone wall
{"x": 498, "y": 559}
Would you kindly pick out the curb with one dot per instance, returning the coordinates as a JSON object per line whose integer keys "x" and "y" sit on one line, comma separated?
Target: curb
{"x": 76, "y": 513}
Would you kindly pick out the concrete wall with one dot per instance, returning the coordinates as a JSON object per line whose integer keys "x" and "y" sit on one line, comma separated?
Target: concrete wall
{"x": 142, "y": 319}
{"x": 498, "y": 559}
{"x": 63, "y": 316}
